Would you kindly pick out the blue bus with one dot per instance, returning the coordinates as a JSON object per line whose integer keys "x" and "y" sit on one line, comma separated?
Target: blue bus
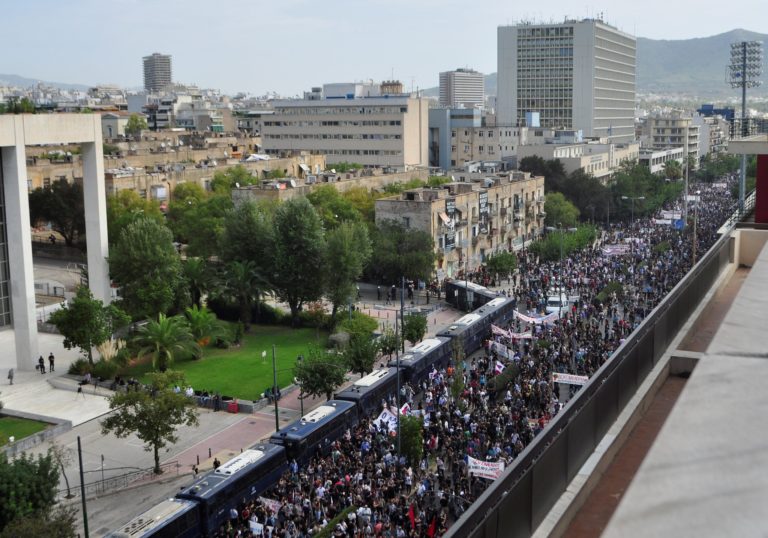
{"x": 419, "y": 360}
{"x": 172, "y": 518}
{"x": 244, "y": 477}
{"x": 369, "y": 391}
{"x": 316, "y": 430}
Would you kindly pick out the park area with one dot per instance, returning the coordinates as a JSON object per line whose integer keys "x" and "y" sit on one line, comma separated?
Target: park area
{"x": 246, "y": 371}
{"x": 18, "y": 428}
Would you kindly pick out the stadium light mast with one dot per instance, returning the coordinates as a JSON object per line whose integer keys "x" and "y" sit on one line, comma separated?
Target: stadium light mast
{"x": 744, "y": 72}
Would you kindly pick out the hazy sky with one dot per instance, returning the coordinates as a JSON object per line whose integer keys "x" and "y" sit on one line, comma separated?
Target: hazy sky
{"x": 287, "y": 46}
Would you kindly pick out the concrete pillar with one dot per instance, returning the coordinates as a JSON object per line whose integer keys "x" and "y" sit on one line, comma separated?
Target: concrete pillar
{"x": 96, "y": 215}
{"x": 19, "y": 236}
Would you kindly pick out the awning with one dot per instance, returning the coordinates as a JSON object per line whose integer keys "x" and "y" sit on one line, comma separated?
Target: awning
{"x": 445, "y": 218}
{"x": 305, "y": 168}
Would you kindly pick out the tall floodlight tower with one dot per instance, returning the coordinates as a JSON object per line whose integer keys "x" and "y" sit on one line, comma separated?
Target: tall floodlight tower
{"x": 744, "y": 72}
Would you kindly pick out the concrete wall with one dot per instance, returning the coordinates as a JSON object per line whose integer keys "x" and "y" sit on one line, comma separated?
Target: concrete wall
{"x": 749, "y": 243}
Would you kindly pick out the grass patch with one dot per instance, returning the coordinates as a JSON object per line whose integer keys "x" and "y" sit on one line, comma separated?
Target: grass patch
{"x": 242, "y": 372}
{"x": 19, "y": 428}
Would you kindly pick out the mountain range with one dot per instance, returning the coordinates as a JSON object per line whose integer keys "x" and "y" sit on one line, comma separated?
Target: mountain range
{"x": 692, "y": 67}
{"x": 24, "y": 82}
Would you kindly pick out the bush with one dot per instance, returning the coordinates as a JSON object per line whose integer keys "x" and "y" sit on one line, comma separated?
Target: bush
{"x": 360, "y": 323}
{"x": 79, "y": 367}
{"x": 661, "y": 247}
{"x": 104, "y": 369}
{"x": 327, "y": 531}
{"x": 269, "y": 315}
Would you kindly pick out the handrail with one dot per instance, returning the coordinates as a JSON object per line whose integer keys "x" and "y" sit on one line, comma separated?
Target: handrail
{"x": 100, "y": 487}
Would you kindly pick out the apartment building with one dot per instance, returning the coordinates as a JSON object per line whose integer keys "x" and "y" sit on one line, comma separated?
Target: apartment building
{"x": 462, "y": 88}
{"x": 671, "y": 130}
{"x": 378, "y": 131}
{"x": 577, "y": 75}
{"x": 468, "y": 221}
{"x": 157, "y": 72}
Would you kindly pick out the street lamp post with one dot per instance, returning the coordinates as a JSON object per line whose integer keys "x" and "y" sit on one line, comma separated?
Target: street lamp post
{"x": 274, "y": 389}
{"x": 633, "y": 198}
{"x": 300, "y": 360}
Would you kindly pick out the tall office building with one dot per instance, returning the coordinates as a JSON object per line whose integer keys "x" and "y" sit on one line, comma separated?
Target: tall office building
{"x": 157, "y": 72}
{"x": 462, "y": 88}
{"x": 577, "y": 75}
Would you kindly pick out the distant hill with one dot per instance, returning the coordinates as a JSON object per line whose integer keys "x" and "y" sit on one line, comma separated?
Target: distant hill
{"x": 686, "y": 66}
{"x": 690, "y": 66}
{"x": 23, "y": 82}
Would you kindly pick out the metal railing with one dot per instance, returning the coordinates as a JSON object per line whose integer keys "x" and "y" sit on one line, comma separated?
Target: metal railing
{"x": 518, "y": 501}
{"x": 100, "y": 487}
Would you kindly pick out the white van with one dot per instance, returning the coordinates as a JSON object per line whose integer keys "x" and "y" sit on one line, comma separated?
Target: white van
{"x": 560, "y": 303}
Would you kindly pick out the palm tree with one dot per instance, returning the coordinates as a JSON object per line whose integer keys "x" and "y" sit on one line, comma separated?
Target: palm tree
{"x": 166, "y": 339}
{"x": 198, "y": 278}
{"x": 203, "y": 325}
{"x": 243, "y": 283}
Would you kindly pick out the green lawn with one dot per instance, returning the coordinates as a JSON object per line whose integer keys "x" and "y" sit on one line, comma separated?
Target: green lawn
{"x": 242, "y": 372}
{"x": 19, "y": 428}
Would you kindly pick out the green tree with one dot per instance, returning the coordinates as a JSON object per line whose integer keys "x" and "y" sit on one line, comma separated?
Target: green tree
{"x": 299, "y": 255}
{"x": 153, "y": 415}
{"x": 27, "y": 486}
{"x": 320, "y": 373}
{"x": 15, "y": 105}
{"x": 501, "y": 264}
{"x": 86, "y": 322}
{"x": 360, "y": 323}
{"x": 361, "y": 353}
{"x": 457, "y": 353}
{"x": 199, "y": 278}
{"x": 165, "y": 340}
{"x": 242, "y": 283}
{"x": 62, "y": 205}
{"x": 248, "y": 235}
{"x": 560, "y": 212}
{"x": 224, "y": 181}
{"x": 349, "y": 249}
{"x": 57, "y": 522}
{"x": 136, "y": 124}
{"x": 400, "y": 251}
{"x": 127, "y": 206}
{"x": 344, "y": 167}
{"x": 389, "y": 341}
{"x": 147, "y": 267}
{"x": 198, "y": 222}
{"x": 673, "y": 169}
{"x": 203, "y": 325}
{"x": 412, "y": 438}
{"x": 332, "y": 207}
{"x": 363, "y": 200}
{"x": 414, "y": 328}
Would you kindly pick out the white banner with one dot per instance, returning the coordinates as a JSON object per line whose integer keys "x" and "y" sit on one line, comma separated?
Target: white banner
{"x": 485, "y": 469}
{"x": 502, "y": 350}
{"x": 387, "y": 417}
{"x": 615, "y": 250}
{"x": 550, "y": 318}
{"x": 569, "y": 379}
{"x": 671, "y": 215}
{"x": 273, "y": 506}
{"x": 662, "y": 222}
{"x": 509, "y": 334}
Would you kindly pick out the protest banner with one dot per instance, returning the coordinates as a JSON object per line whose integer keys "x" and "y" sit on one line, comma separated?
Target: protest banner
{"x": 388, "y": 418}
{"x": 569, "y": 379}
{"x": 485, "y": 469}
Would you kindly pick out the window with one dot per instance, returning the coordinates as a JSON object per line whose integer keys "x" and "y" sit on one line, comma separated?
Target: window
{"x": 407, "y": 222}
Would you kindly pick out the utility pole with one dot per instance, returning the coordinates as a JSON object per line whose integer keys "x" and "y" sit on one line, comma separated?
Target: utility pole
{"x": 402, "y": 309}
{"x": 274, "y": 389}
{"x": 82, "y": 488}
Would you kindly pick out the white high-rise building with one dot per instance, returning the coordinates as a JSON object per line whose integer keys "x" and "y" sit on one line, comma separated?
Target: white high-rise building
{"x": 462, "y": 88}
{"x": 577, "y": 75}
{"x": 157, "y": 72}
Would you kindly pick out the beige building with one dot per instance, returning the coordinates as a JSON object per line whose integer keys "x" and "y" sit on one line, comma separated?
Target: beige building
{"x": 600, "y": 159}
{"x": 672, "y": 130}
{"x": 382, "y": 131}
{"x": 469, "y": 221}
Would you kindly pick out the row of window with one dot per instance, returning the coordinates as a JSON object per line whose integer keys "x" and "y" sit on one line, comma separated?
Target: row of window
{"x": 335, "y": 110}
{"x": 294, "y": 136}
{"x": 555, "y": 31}
{"x": 365, "y": 123}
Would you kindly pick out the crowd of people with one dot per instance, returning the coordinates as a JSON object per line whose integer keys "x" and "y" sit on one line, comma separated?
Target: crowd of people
{"x": 466, "y": 415}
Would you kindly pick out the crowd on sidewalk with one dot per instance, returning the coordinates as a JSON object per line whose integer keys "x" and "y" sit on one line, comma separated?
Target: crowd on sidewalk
{"x": 467, "y": 416}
